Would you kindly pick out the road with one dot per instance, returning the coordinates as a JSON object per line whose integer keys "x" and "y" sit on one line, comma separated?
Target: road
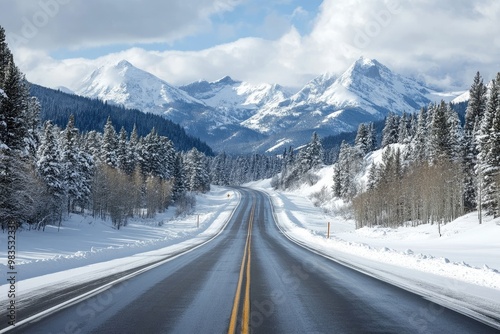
{"x": 252, "y": 279}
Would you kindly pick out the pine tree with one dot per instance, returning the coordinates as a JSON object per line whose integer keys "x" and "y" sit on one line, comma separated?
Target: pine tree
{"x": 71, "y": 160}
{"x": 456, "y": 135}
{"x": 440, "y": 146}
{"x": 362, "y": 138}
{"x": 218, "y": 172}
{"x": 404, "y": 134}
{"x": 109, "y": 145}
{"x": 13, "y": 110}
{"x": 92, "y": 145}
{"x": 347, "y": 166}
{"x": 390, "y": 131}
{"x": 167, "y": 158}
{"x": 132, "y": 155}
{"x": 373, "y": 177}
{"x": 19, "y": 187}
{"x": 4, "y": 58}
{"x": 473, "y": 120}
{"x": 196, "y": 171}
{"x": 419, "y": 146}
{"x": 50, "y": 169}
{"x": 179, "y": 176}
{"x": 489, "y": 151}
{"x": 122, "y": 155}
{"x": 372, "y": 138}
{"x": 311, "y": 156}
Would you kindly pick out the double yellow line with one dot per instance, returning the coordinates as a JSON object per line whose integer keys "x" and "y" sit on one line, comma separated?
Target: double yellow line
{"x": 245, "y": 265}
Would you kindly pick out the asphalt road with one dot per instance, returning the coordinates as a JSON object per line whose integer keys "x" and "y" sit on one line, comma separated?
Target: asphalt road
{"x": 253, "y": 279}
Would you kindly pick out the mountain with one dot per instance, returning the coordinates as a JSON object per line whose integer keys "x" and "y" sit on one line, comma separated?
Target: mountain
{"x": 366, "y": 92}
{"x": 232, "y": 102}
{"x": 236, "y": 100}
{"x": 240, "y": 117}
{"x": 128, "y": 86}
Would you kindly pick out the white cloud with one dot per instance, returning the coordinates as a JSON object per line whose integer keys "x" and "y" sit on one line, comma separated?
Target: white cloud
{"x": 75, "y": 24}
{"x": 443, "y": 42}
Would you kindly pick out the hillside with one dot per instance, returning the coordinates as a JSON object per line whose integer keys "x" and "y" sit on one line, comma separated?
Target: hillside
{"x": 91, "y": 114}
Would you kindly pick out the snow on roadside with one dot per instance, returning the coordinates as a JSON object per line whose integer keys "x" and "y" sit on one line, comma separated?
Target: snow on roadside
{"x": 464, "y": 262}
{"x": 83, "y": 251}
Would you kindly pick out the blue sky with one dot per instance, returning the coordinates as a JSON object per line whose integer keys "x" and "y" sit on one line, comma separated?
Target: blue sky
{"x": 289, "y": 42}
{"x": 256, "y": 18}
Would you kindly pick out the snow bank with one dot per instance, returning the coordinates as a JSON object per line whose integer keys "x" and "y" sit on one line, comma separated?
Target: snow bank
{"x": 85, "y": 249}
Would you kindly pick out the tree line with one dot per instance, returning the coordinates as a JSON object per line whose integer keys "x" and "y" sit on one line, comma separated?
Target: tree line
{"x": 434, "y": 168}
{"x": 47, "y": 172}
{"x": 91, "y": 114}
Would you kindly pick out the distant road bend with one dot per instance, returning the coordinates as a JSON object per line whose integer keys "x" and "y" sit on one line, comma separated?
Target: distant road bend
{"x": 251, "y": 279}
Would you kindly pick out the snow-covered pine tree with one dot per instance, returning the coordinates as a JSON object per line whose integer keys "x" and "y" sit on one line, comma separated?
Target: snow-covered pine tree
{"x": 167, "y": 157}
{"x": 489, "y": 151}
{"x": 404, "y": 129}
{"x": 49, "y": 167}
{"x": 196, "y": 171}
{"x": 19, "y": 187}
{"x": 92, "y": 144}
{"x": 218, "y": 172}
{"x": 419, "y": 145}
{"x": 391, "y": 130}
{"x": 122, "y": 151}
{"x": 473, "y": 119}
{"x": 372, "y": 137}
{"x": 149, "y": 154}
{"x": 109, "y": 145}
{"x": 13, "y": 110}
{"x": 32, "y": 139}
{"x": 311, "y": 156}
{"x": 179, "y": 176}
{"x": 456, "y": 135}
{"x": 373, "y": 177}
{"x": 439, "y": 143}
{"x": 4, "y": 57}
{"x": 132, "y": 155}
{"x": 347, "y": 166}
{"x": 362, "y": 138}
{"x": 71, "y": 161}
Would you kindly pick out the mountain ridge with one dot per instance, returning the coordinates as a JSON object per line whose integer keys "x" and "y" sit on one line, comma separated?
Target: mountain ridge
{"x": 237, "y": 116}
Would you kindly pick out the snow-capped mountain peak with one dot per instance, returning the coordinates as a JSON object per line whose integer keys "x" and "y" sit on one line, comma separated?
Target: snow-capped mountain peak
{"x": 228, "y": 94}
{"x": 363, "y": 68}
{"x": 123, "y": 83}
{"x": 227, "y": 80}
{"x": 365, "y": 92}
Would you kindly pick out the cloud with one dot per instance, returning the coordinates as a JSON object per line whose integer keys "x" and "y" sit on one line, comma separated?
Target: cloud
{"x": 75, "y": 24}
{"x": 443, "y": 43}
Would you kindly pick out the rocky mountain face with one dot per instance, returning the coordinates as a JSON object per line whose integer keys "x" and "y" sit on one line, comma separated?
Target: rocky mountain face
{"x": 241, "y": 117}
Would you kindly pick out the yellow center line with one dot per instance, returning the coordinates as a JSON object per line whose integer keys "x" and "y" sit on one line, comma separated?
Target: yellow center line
{"x": 246, "y": 306}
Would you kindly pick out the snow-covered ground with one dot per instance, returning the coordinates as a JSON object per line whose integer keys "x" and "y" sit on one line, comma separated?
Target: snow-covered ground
{"x": 461, "y": 268}
{"x": 85, "y": 249}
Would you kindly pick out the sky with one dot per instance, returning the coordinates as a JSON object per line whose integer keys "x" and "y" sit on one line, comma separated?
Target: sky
{"x": 289, "y": 42}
